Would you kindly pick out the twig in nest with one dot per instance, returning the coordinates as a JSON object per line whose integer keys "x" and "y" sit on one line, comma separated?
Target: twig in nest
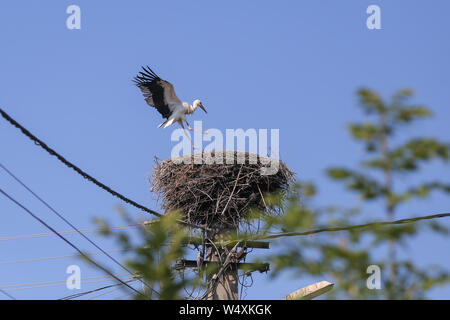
{"x": 234, "y": 187}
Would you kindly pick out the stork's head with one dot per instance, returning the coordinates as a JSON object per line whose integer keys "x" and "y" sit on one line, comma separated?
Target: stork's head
{"x": 198, "y": 103}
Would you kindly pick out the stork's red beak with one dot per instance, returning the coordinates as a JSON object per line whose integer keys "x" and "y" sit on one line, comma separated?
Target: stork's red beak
{"x": 203, "y": 108}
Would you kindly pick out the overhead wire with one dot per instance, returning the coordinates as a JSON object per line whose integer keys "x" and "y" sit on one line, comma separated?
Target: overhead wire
{"x": 348, "y": 228}
{"x": 77, "y": 295}
{"x": 7, "y": 294}
{"x": 85, "y": 175}
{"x": 34, "y": 285}
{"x": 105, "y": 293}
{"x": 66, "y": 232}
{"x": 57, "y": 257}
{"x": 68, "y": 222}
{"x": 64, "y": 239}
{"x": 74, "y": 167}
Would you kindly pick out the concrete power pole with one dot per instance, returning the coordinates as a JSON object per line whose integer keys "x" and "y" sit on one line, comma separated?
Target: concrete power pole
{"x": 222, "y": 285}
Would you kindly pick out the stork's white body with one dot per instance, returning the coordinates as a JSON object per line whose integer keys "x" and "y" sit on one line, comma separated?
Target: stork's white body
{"x": 179, "y": 112}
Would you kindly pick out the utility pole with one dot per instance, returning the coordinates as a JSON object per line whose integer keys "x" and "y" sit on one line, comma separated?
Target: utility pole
{"x": 223, "y": 284}
{"x": 222, "y": 270}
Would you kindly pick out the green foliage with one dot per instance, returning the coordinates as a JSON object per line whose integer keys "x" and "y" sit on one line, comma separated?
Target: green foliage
{"x": 345, "y": 256}
{"x": 159, "y": 245}
{"x": 367, "y": 187}
{"x": 404, "y": 158}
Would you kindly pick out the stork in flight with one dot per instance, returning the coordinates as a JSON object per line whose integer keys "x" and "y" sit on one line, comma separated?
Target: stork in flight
{"x": 160, "y": 94}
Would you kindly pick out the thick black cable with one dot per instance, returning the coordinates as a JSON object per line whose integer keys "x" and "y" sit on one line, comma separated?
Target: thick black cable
{"x": 86, "y": 176}
{"x": 74, "y": 167}
{"x": 348, "y": 228}
{"x": 71, "y": 225}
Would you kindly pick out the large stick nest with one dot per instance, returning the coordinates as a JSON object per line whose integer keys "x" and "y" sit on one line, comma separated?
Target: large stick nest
{"x": 218, "y": 195}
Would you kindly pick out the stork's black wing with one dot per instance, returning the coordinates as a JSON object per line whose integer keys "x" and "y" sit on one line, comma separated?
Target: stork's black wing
{"x": 153, "y": 89}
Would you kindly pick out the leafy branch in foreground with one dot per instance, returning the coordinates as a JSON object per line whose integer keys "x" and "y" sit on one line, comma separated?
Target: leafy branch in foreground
{"x": 152, "y": 253}
{"x": 346, "y": 255}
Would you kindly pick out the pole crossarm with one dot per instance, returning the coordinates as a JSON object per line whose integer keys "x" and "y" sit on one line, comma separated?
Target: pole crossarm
{"x": 230, "y": 244}
{"x": 250, "y": 267}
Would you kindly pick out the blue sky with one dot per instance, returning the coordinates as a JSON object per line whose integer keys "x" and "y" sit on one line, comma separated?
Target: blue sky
{"x": 294, "y": 65}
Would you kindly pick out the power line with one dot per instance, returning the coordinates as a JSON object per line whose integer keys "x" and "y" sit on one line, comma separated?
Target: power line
{"x": 105, "y": 293}
{"x": 86, "y": 176}
{"x": 34, "y": 285}
{"x": 77, "y": 295}
{"x": 71, "y": 232}
{"x": 66, "y": 232}
{"x": 273, "y": 236}
{"x": 7, "y": 294}
{"x": 347, "y": 228}
{"x": 58, "y": 284}
{"x": 68, "y": 222}
{"x": 57, "y": 257}
{"x": 122, "y": 296}
{"x": 65, "y": 240}
{"x": 74, "y": 167}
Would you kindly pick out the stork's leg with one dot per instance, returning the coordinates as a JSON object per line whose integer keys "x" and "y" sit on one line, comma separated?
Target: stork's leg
{"x": 162, "y": 124}
{"x": 169, "y": 122}
{"x": 187, "y": 134}
{"x": 189, "y": 127}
